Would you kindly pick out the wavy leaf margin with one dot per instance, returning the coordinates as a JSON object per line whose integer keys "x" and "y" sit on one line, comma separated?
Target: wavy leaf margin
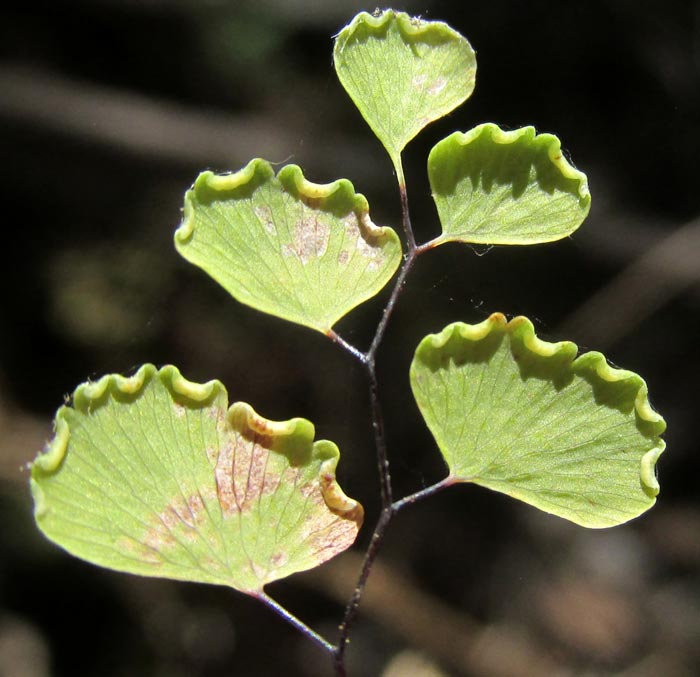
{"x": 411, "y": 28}
{"x": 592, "y": 364}
{"x": 336, "y": 196}
{"x": 296, "y": 436}
{"x": 449, "y": 148}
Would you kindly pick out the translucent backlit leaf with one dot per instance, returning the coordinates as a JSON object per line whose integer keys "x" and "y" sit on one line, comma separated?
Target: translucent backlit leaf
{"x": 403, "y": 73}
{"x": 570, "y": 435}
{"x": 304, "y": 252}
{"x": 496, "y": 187}
{"x": 153, "y": 475}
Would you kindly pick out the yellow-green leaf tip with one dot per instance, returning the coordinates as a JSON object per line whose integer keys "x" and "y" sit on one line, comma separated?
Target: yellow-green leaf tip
{"x": 409, "y": 26}
{"x": 650, "y": 481}
{"x": 209, "y": 186}
{"x": 243, "y": 417}
{"x": 50, "y": 459}
{"x": 335, "y": 498}
{"x": 341, "y": 190}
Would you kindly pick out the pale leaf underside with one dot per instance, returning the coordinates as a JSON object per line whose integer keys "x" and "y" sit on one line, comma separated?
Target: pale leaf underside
{"x": 492, "y": 186}
{"x": 305, "y": 252}
{"x": 569, "y": 435}
{"x": 153, "y": 475}
{"x": 403, "y": 73}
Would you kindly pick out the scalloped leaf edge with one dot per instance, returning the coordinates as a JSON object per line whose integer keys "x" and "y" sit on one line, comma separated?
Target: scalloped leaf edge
{"x": 592, "y": 362}
{"x": 89, "y": 396}
{"x": 290, "y": 179}
{"x": 410, "y": 26}
{"x": 289, "y": 176}
{"x": 550, "y": 142}
{"x": 242, "y": 414}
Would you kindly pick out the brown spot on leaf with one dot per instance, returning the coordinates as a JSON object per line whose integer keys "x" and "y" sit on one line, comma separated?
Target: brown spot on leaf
{"x": 259, "y": 571}
{"x": 270, "y": 483}
{"x": 419, "y": 81}
{"x": 311, "y": 202}
{"x": 362, "y": 236}
{"x": 327, "y": 529}
{"x": 181, "y": 518}
{"x": 437, "y": 86}
{"x": 343, "y": 257}
{"x": 216, "y": 413}
{"x": 151, "y": 557}
{"x": 212, "y": 564}
{"x": 307, "y": 489}
{"x": 223, "y": 474}
{"x": 336, "y": 536}
{"x": 140, "y": 550}
{"x": 196, "y": 507}
{"x": 290, "y": 475}
{"x": 258, "y": 431}
{"x": 264, "y": 214}
{"x": 311, "y": 236}
{"x": 278, "y": 559}
{"x": 242, "y": 474}
{"x": 327, "y": 533}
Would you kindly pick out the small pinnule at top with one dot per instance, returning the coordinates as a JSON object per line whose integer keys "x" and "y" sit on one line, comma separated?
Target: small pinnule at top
{"x": 403, "y": 73}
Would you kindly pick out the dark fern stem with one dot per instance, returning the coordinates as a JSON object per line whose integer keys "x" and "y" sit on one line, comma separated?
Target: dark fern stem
{"x": 388, "y": 506}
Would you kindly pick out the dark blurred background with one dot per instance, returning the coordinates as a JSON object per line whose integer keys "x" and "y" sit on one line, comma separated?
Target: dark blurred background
{"x": 110, "y": 108}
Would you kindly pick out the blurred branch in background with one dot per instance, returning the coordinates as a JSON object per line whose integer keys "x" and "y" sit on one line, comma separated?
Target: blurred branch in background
{"x": 163, "y": 130}
{"x": 22, "y": 436}
{"x": 657, "y": 274}
{"x": 426, "y": 622}
{"x": 147, "y": 92}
